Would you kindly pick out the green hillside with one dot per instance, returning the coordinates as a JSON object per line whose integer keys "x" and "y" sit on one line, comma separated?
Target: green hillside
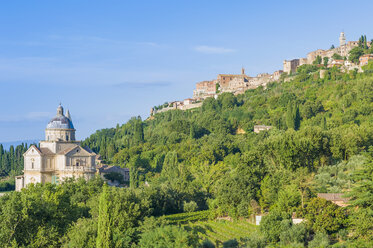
{"x": 209, "y": 158}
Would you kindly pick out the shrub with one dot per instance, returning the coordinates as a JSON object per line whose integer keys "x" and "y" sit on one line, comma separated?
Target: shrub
{"x": 320, "y": 240}
{"x": 168, "y": 236}
{"x": 273, "y": 224}
{"x": 190, "y": 206}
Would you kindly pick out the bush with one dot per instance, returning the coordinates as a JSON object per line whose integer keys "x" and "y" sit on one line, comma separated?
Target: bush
{"x": 7, "y": 185}
{"x": 324, "y": 216}
{"x": 115, "y": 176}
{"x": 168, "y": 236}
{"x": 190, "y": 206}
{"x": 230, "y": 243}
{"x": 320, "y": 240}
{"x": 273, "y": 224}
{"x": 255, "y": 240}
{"x": 296, "y": 234}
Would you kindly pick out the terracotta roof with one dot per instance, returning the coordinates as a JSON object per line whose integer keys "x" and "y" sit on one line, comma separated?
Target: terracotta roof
{"x": 88, "y": 149}
{"x": 367, "y": 55}
{"x": 36, "y": 148}
{"x": 333, "y": 196}
{"x": 46, "y": 151}
{"x": 67, "y": 150}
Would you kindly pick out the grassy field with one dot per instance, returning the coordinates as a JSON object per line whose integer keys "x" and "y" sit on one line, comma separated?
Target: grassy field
{"x": 220, "y": 231}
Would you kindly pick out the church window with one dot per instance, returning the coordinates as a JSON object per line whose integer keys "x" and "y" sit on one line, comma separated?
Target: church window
{"x": 55, "y": 179}
{"x": 32, "y": 163}
{"x": 67, "y": 138}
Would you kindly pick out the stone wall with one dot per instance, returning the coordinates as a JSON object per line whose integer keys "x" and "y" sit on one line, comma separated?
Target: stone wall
{"x": 290, "y": 66}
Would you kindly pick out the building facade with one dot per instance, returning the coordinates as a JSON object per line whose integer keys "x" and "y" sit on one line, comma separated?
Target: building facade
{"x": 364, "y": 60}
{"x": 58, "y": 157}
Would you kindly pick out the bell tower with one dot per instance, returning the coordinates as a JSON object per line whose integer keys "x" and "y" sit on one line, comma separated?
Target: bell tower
{"x": 342, "y": 39}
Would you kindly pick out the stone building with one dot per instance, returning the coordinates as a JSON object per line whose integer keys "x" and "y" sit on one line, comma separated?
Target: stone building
{"x": 277, "y": 74}
{"x": 336, "y": 198}
{"x": 58, "y": 157}
{"x": 365, "y": 59}
{"x": 239, "y": 80}
{"x": 205, "y": 88}
{"x": 259, "y": 128}
{"x": 290, "y": 66}
{"x": 343, "y": 50}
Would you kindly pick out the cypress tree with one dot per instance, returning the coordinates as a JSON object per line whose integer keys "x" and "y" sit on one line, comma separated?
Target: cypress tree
{"x": 293, "y": 116}
{"x": 170, "y": 165}
{"x": 192, "y": 131}
{"x": 134, "y": 165}
{"x": 104, "y": 233}
{"x": 139, "y": 132}
{"x": 296, "y": 118}
{"x": 290, "y": 116}
{"x": 110, "y": 150}
{"x": 324, "y": 125}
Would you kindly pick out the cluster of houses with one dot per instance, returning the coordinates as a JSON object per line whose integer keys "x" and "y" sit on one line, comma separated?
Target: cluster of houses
{"x": 188, "y": 103}
{"x": 336, "y": 57}
{"x": 239, "y": 83}
{"x": 233, "y": 83}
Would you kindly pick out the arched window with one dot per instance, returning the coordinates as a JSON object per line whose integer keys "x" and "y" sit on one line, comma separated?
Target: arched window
{"x": 32, "y": 163}
{"x": 67, "y": 138}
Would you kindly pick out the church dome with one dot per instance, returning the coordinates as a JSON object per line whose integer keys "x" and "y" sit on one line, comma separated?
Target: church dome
{"x": 60, "y": 121}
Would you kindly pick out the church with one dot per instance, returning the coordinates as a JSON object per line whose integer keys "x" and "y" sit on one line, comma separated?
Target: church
{"x": 59, "y": 156}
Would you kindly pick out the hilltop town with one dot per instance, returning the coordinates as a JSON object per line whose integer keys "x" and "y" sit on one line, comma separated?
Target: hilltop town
{"x": 239, "y": 83}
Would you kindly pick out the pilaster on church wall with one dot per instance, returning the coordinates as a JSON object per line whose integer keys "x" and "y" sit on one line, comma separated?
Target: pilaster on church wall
{"x": 60, "y": 162}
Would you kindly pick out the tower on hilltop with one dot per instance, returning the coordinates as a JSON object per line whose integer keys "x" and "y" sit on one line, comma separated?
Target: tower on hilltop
{"x": 342, "y": 39}
{"x": 243, "y": 71}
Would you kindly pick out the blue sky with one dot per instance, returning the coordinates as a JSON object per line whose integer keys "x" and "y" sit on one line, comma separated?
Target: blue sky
{"x": 109, "y": 60}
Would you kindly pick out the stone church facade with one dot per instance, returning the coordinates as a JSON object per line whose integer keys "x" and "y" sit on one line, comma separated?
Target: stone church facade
{"x": 58, "y": 157}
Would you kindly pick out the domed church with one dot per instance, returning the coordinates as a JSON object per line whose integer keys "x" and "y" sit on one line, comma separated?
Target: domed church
{"x": 58, "y": 157}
